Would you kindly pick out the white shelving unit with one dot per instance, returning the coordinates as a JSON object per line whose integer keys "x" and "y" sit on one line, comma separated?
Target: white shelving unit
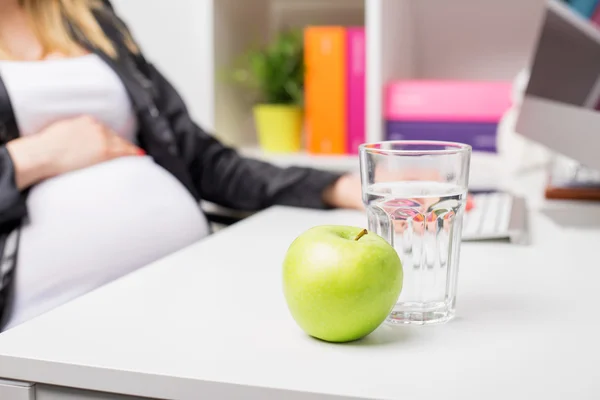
{"x": 423, "y": 39}
{"x": 458, "y": 39}
{"x": 243, "y": 23}
{"x": 337, "y": 163}
{"x": 428, "y": 39}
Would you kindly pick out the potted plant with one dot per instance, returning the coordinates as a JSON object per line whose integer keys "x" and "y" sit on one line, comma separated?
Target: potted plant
{"x": 275, "y": 75}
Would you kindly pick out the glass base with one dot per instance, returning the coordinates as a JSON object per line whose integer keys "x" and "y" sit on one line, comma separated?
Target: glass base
{"x": 420, "y": 314}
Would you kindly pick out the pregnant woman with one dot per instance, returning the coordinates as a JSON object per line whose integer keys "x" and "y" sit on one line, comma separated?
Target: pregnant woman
{"x": 101, "y": 167}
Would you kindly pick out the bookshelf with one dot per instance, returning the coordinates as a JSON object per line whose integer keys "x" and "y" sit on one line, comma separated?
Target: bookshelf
{"x": 239, "y": 24}
{"x": 462, "y": 39}
{"x": 458, "y": 39}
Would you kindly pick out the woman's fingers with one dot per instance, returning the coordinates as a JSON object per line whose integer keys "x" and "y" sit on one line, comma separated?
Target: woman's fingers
{"x": 119, "y": 147}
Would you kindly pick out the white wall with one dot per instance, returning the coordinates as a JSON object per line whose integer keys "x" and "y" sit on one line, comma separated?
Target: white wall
{"x": 179, "y": 40}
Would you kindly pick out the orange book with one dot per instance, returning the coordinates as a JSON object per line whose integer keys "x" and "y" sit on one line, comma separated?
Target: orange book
{"x": 325, "y": 89}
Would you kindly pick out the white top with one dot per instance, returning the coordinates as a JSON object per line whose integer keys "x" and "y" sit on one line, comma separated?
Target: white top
{"x": 48, "y": 91}
{"x": 525, "y": 326}
{"x": 90, "y": 226}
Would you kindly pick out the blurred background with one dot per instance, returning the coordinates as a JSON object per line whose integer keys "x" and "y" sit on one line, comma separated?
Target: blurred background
{"x": 304, "y": 81}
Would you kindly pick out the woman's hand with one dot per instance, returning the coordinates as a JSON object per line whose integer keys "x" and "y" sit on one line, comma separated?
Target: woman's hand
{"x": 345, "y": 193}
{"x": 65, "y": 146}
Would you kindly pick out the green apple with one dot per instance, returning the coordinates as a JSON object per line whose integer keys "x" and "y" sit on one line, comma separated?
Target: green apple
{"x": 341, "y": 282}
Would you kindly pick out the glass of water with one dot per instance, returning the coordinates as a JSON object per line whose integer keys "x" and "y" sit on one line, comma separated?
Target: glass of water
{"x": 415, "y": 194}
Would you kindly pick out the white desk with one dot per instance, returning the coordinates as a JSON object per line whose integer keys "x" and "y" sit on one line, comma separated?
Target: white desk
{"x": 210, "y": 322}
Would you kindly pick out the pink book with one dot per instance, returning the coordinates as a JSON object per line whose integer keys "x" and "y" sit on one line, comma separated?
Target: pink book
{"x": 355, "y": 75}
{"x": 596, "y": 16}
{"x": 430, "y": 100}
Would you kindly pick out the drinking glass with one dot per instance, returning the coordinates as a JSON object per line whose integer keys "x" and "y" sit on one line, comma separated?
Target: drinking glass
{"x": 415, "y": 194}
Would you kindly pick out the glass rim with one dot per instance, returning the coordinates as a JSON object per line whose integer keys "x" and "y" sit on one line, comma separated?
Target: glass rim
{"x": 450, "y": 147}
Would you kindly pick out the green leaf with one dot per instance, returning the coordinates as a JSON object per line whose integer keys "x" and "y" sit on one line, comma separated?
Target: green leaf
{"x": 274, "y": 73}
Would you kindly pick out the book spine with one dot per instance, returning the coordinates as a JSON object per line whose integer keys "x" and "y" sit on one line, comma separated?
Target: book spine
{"x": 584, "y": 7}
{"x": 355, "y": 67}
{"x": 480, "y": 136}
{"x": 596, "y": 16}
{"x": 325, "y": 89}
{"x": 447, "y": 100}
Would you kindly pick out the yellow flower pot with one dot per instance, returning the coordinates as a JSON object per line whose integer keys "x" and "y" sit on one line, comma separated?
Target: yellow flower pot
{"x": 279, "y": 127}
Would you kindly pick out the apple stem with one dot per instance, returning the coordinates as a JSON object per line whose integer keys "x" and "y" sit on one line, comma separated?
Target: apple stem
{"x": 361, "y": 234}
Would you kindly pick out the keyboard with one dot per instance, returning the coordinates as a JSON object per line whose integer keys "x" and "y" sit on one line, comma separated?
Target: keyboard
{"x": 496, "y": 216}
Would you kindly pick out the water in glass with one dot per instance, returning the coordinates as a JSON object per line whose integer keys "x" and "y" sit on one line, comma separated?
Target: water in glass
{"x": 422, "y": 220}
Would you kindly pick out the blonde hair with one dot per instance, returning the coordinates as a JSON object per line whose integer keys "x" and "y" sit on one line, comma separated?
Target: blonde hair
{"x": 52, "y": 20}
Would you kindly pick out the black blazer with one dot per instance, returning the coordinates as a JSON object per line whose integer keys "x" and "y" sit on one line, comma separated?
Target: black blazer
{"x": 207, "y": 168}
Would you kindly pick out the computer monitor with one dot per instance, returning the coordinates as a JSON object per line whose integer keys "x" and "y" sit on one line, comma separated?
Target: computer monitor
{"x": 558, "y": 109}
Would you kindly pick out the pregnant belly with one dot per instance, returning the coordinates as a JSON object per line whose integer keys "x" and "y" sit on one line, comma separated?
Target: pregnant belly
{"x": 130, "y": 204}
{"x": 88, "y": 227}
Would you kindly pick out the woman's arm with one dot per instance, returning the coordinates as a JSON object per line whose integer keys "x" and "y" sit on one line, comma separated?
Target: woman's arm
{"x": 224, "y": 177}
{"x": 12, "y": 201}
{"x": 30, "y": 161}
{"x": 62, "y": 147}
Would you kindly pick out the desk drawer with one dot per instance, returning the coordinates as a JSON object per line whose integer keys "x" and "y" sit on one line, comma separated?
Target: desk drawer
{"x": 12, "y": 390}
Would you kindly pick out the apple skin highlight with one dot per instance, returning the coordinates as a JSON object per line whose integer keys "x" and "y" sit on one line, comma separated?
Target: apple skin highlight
{"x": 341, "y": 283}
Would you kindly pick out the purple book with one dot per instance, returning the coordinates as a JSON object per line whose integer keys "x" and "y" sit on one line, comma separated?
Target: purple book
{"x": 481, "y": 136}
{"x": 355, "y": 75}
